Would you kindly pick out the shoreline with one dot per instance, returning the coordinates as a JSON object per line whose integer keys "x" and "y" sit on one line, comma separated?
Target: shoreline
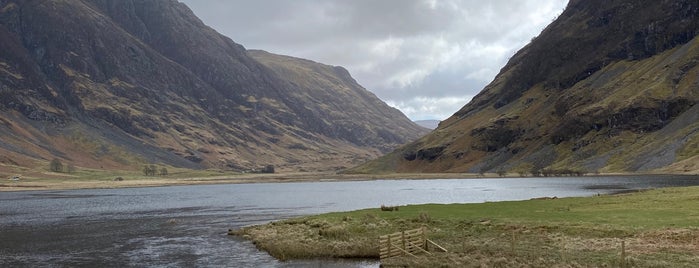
{"x": 657, "y": 226}
{"x": 32, "y": 184}
{"x": 77, "y": 184}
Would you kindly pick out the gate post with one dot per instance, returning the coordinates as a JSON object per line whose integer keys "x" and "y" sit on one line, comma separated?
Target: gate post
{"x": 389, "y": 246}
{"x": 403, "y": 238}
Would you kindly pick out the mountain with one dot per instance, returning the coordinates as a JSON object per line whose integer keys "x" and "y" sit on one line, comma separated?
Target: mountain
{"x": 347, "y": 109}
{"x": 118, "y": 84}
{"x": 430, "y": 124}
{"x": 609, "y": 86}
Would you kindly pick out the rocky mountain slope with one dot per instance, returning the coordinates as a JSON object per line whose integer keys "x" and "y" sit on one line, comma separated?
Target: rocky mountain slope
{"x": 116, "y": 84}
{"x": 341, "y": 107}
{"x": 609, "y": 86}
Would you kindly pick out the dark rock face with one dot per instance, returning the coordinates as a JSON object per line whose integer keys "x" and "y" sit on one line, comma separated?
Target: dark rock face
{"x": 494, "y": 138}
{"x": 153, "y": 72}
{"x": 636, "y": 119}
{"x": 601, "y": 88}
{"x": 428, "y": 154}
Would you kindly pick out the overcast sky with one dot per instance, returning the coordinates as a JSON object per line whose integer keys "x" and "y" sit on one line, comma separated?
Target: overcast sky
{"x": 427, "y": 58}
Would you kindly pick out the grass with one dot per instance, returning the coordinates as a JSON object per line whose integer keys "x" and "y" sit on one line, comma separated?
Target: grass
{"x": 40, "y": 178}
{"x": 660, "y": 229}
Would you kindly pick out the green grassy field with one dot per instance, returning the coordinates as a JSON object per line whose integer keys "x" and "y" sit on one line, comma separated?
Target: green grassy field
{"x": 660, "y": 228}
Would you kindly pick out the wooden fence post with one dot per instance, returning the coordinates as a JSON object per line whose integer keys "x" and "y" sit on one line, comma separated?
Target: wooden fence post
{"x": 424, "y": 238}
{"x": 622, "y": 264}
{"x": 512, "y": 245}
{"x": 403, "y": 239}
{"x": 389, "y": 245}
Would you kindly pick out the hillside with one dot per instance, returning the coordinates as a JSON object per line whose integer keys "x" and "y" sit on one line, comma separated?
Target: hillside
{"x": 348, "y": 110}
{"x": 118, "y": 84}
{"x": 431, "y": 124}
{"x": 609, "y": 86}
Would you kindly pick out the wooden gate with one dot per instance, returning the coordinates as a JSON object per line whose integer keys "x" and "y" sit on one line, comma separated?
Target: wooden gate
{"x": 410, "y": 242}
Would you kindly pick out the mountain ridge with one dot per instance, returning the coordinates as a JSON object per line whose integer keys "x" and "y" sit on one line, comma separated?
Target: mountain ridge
{"x": 118, "y": 84}
{"x": 593, "y": 92}
{"x": 342, "y": 109}
{"x": 431, "y": 124}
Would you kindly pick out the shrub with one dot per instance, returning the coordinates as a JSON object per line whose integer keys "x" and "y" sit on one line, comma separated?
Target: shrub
{"x": 56, "y": 165}
{"x": 501, "y": 172}
{"x": 149, "y": 170}
{"x": 389, "y": 208}
{"x": 424, "y": 217}
{"x": 268, "y": 169}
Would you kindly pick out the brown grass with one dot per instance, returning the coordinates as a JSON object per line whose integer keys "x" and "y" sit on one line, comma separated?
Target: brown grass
{"x": 534, "y": 233}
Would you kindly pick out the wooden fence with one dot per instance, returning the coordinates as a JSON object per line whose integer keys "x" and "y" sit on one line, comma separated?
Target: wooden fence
{"x": 410, "y": 242}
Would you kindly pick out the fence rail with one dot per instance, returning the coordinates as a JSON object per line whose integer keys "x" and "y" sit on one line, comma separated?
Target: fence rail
{"x": 410, "y": 242}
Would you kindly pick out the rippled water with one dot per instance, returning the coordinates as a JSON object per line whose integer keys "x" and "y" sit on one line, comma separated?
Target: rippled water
{"x": 186, "y": 225}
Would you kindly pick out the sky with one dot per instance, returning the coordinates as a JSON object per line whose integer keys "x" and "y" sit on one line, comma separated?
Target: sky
{"x": 427, "y": 58}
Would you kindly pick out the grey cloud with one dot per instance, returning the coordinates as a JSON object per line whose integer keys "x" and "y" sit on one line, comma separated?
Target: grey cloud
{"x": 405, "y": 51}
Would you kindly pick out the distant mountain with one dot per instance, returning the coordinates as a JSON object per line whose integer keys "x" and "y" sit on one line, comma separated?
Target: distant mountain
{"x": 609, "y": 86}
{"x": 431, "y": 124}
{"x": 117, "y": 84}
{"x": 342, "y": 105}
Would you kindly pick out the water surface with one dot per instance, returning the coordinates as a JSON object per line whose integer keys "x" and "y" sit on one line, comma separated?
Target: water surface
{"x": 186, "y": 225}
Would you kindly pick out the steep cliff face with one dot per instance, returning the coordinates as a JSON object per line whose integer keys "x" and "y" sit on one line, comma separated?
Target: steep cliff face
{"x": 116, "y": 84}
{"x": 609, "y": 86}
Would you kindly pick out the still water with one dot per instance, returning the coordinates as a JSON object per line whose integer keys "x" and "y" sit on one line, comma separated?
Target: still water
{"x": 185, "y": 226}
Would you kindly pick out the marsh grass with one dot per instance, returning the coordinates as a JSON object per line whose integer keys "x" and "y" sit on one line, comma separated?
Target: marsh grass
{"x": 660, "y": 229}
{"x": 339, "y": 233}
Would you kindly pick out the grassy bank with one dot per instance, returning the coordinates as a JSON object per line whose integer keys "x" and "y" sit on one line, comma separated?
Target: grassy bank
{"x": 660, "y": 228}
{"x": 82, "y": 178}
{"x": 39, "y": 179}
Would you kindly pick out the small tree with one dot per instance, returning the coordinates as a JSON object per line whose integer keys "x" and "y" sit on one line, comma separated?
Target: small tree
{"x": 149, "y": 170}
{"x": 501, "y": 172}
{"x": 268, "y": 169}
{"x": 70, "y": 168}
{"x": 163, "y": 171}
{"x": 56, "y": 165}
